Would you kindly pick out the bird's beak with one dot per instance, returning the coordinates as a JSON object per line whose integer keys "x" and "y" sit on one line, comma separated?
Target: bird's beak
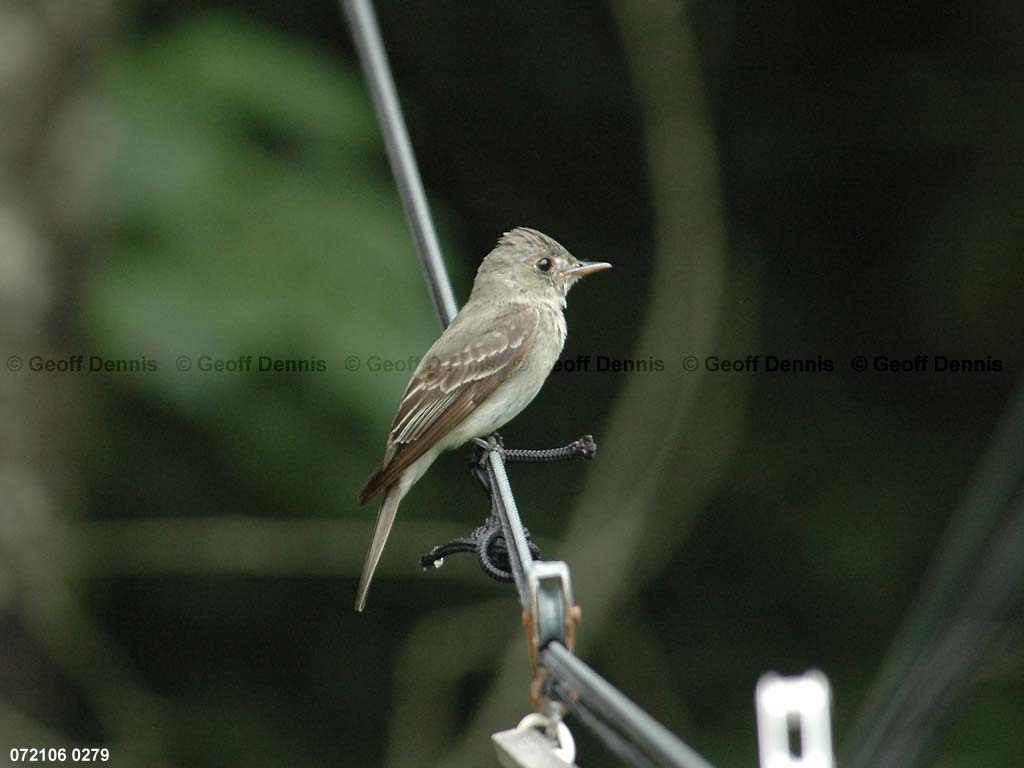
{"x": 585, "y": 268}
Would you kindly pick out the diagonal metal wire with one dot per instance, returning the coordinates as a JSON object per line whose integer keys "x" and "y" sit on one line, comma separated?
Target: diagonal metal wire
{"x": 366, "y": 32}
{"x": 512, "y": 526}
{"x": 976, "y": 577}
{"x": 584, "y": 686}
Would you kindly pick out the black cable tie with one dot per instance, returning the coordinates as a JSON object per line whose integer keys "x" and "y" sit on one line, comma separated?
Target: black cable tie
{"x": 488, "y": 541}
{"x": 585, "y": 448}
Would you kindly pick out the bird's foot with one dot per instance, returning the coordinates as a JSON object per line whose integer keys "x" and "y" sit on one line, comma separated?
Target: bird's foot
{"x": 484, "y": 445}
{"x": 478, "y": 457}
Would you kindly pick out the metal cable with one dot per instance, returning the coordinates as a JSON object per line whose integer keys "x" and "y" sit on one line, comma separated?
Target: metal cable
{"x": 616, "y": 710}
{"x": 363, "y": 22}
{"x": 616, "y": 742}
{"x": 512, "y": 527}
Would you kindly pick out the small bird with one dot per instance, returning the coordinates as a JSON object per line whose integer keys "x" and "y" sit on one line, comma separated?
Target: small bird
{"x": 481, "y": 372}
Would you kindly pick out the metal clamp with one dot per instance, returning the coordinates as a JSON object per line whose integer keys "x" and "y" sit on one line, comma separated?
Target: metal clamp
{"x": 552, "y": 616}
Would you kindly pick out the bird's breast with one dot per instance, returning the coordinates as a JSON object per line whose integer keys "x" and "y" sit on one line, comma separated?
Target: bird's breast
{"x": 516, "y": 392}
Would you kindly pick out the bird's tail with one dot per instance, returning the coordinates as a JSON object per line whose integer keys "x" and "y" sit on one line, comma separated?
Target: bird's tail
{"x": 385, "y": 519}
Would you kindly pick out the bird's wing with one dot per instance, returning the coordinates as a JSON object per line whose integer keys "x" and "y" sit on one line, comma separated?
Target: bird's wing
{"x": 449, "y": 384}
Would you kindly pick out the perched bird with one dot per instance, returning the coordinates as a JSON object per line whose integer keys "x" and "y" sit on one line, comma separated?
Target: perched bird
{"x": 482, "y": 371}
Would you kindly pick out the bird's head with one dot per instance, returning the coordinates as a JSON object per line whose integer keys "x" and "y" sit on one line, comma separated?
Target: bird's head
{"x": 529, "y": 265}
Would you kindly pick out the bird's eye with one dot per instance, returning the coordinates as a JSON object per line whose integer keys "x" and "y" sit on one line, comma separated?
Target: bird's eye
{"x": 544, "y": 265}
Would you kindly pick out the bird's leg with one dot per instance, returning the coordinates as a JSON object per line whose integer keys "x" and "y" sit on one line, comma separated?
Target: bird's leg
{"x": 478, "y": 463}
{"x": 478, "y": 458}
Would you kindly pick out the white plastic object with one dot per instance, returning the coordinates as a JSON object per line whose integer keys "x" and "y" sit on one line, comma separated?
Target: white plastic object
{"x": 566, "y": 749}
{"x": 794, "y": 704}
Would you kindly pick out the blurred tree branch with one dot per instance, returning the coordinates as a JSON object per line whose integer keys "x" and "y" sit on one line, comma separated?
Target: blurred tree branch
{"x": 428, "y": 679}
{"x": 232, "y": 545}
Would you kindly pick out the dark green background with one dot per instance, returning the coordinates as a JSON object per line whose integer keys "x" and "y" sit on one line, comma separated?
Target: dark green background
{"x": 861, "y": 195}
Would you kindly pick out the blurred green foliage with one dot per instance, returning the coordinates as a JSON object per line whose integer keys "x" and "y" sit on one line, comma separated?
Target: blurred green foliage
{"x": 247, "y": 212}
